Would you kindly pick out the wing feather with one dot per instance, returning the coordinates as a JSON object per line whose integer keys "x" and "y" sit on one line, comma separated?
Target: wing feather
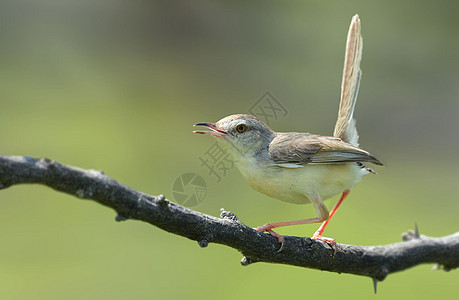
{"x": 304, "y": 148}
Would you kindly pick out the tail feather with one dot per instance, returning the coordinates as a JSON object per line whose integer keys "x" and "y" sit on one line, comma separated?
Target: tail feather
{"x": 345, "y": 125}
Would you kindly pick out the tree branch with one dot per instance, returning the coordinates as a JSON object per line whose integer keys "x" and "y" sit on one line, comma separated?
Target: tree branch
{"x": 375, "y": 261}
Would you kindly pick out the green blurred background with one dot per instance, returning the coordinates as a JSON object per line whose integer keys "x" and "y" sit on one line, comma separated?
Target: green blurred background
{"x": 116, "y": 86}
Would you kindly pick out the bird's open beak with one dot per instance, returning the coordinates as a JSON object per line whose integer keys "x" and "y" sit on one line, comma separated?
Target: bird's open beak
{"x": 217, "y": 132}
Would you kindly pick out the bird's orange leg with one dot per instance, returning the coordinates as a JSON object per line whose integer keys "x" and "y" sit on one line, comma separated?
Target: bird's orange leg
{"x": 318, "y": 235}
{"x": 268, "y": 227}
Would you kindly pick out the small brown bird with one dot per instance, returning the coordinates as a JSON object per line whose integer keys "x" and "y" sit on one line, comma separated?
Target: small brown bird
{"x": 301, "y": 167}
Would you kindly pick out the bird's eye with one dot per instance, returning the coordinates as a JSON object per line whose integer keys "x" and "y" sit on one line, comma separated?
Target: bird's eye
{"x": 241, "y": 128}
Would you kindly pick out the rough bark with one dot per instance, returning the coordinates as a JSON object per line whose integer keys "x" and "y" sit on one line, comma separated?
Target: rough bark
{"x": 373, "y": 261}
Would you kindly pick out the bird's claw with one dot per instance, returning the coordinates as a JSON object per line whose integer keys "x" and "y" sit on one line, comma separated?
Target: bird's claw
{"x": 329, "y": 241}
{"x": 318, "y": 237}
{"x": 267, "y": 228}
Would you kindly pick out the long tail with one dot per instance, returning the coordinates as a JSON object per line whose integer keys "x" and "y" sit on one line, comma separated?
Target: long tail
{"x": 345, "y": 125}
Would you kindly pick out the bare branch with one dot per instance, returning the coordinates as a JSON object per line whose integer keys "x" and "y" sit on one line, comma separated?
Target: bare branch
{"x": 375, "y": 261}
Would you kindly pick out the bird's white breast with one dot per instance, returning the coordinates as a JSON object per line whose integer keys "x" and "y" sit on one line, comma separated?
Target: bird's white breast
{"x": 295, "y": 185}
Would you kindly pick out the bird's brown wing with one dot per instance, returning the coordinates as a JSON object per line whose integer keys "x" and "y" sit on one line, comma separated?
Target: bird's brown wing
{"x": 305, "y": 148}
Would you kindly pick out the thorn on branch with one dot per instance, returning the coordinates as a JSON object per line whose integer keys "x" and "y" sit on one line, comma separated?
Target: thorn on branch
{"x": 416, "y": 231}
{"x": 411, "y": 234}
{"x": 375, "y": 284}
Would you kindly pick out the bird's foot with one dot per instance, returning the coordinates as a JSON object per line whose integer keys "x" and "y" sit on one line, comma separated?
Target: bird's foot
{"x": 327, "y": 240}
{"x": 267, "y": 228}
{"x": 319, "y": 237}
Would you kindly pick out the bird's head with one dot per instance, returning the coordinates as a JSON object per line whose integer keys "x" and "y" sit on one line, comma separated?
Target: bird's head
{"x": 243, "y": 133}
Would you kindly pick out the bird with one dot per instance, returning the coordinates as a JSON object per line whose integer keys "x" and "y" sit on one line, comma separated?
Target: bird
{"x": 299, "y": 167}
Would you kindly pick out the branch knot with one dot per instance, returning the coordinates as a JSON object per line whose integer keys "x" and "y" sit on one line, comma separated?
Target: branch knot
{"x": 227, "y": 215}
